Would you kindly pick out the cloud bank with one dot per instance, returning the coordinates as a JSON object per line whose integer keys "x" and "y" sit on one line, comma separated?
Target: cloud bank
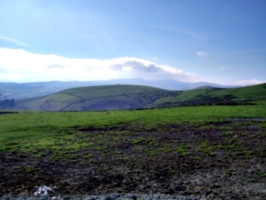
{"x": 250, "y": 82}
{"x": 18, "y": 65}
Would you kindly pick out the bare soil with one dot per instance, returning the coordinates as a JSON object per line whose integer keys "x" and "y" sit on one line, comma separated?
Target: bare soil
{"x": 213, "y": 160}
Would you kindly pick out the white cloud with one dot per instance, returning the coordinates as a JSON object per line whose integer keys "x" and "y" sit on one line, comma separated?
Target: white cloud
{"x": 201, "y": 53}
{"x": 250, "y": 82}
{"x": 126, "y": 68}
{"x": 13, "y": 41}
{"x": 21, "y": 66}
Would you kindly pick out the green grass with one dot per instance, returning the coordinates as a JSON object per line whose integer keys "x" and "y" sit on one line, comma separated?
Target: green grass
{"x": 164, "y": 143}
{"x": 27, "y": 130}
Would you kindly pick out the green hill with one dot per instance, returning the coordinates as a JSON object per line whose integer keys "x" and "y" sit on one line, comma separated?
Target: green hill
{"x": 124, "y": 97}
{"x": 209, "y": 95}
{"x": 111, "y": 97}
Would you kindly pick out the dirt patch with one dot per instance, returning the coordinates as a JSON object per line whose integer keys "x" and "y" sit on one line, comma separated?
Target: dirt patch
{"x": 207, "y": 159}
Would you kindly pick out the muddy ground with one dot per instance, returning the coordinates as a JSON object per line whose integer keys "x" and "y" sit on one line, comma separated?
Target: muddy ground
{"x": 212, "y": 160}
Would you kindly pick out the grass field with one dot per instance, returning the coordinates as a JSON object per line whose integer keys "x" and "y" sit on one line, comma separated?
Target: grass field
{"x": 27, "y": 127}
{"x": 134, "y": 151}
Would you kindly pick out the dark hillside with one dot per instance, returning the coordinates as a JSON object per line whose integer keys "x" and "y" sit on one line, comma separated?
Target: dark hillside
{"x": 20, "y": 91}
{"x": 124, "y": 97}
{"x": 113, "y": 97}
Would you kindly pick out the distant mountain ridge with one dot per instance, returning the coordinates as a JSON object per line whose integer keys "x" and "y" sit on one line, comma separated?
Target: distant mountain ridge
{"x": 37, "y": 89}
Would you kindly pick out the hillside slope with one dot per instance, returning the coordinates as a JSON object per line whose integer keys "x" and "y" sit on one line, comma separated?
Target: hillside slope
{"x": 210, "y": 95}
{"x": 111, "y": 97}
{"x": 124, "y": 97}
{"x": 37, "y": 89}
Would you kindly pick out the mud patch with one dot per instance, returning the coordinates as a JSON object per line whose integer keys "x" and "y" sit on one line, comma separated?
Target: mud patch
{"x": 205, "y": 159}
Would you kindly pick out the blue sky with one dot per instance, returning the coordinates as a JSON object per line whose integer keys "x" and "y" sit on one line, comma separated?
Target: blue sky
{"x": 220, "y": 41}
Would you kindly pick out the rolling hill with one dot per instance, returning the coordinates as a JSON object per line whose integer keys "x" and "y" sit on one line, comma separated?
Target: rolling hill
{"x": 211, "y": 95}
{"x": 110, "y": 97}
{"x": 36, "y": 89}
{"x": 123, "y": 97}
